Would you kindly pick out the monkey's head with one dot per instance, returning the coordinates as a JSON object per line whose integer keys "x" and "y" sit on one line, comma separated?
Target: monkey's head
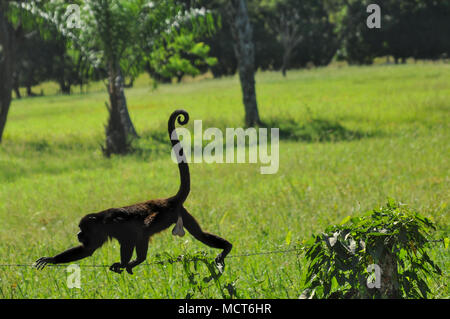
{"x": 91, "y": 231}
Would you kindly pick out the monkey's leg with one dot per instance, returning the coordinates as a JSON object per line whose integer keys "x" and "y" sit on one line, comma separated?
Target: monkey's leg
{"x": 208, "y": 239}
{"x": 126, "y": 251}
{"x": 141, "y": 255}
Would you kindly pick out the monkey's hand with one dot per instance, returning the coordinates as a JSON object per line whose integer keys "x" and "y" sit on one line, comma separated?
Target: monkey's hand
{"x": 43, "y": 261}
{"x": 116, "y": 267}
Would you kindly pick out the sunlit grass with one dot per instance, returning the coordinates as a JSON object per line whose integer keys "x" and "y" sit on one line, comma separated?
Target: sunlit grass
{"x": 52, "y": 173}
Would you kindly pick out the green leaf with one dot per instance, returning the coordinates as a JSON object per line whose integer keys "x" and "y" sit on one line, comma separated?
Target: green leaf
{"x": 446, "y": 242}
{"x": 345, "y": 220}
{"x": 391, "y": 203}
{"x": 288, "y": 238}
{"x": 378, "y": 234}
{"x": 313, "y": 251}
{"x": 423, "y": 287}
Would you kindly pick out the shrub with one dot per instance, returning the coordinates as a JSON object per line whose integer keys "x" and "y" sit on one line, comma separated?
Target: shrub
{"x": 392, "y": 237}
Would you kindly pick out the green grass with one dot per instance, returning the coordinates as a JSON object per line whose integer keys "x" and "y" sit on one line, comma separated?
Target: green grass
{"x": 392, "y": 125}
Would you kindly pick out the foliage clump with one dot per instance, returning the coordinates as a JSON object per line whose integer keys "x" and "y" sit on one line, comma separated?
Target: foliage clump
{"x": 198, "y": 284}
{"x": 393, "y": 237}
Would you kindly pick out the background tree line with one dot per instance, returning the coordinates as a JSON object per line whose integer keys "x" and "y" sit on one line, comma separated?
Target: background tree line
{"x": 168, "y": 39}
{"x": 287, "y": 34}
{"x": 291, "y": 34}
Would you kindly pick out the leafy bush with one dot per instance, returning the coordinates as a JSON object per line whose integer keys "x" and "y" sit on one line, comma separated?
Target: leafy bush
{"x": 199, "y": 284}
{"x": 392, "y": 237}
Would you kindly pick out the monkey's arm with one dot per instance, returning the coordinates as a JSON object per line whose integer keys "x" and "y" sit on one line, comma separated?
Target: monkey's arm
{"x": 72, "y": 254}
{"x": 141, "y": 255}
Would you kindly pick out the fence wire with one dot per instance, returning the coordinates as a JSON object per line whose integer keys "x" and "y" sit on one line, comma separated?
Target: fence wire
{"x": 189, "y": 259}
{"x": 169, "y": 261}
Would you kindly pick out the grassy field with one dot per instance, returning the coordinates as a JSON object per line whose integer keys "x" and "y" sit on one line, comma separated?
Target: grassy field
{"x": 391, "y": 134}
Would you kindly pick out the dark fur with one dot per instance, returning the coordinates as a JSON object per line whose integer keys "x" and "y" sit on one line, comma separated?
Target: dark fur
{"x": 133, "y": 225}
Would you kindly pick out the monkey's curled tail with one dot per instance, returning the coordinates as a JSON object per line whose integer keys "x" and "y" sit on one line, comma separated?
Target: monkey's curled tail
{"x": 185, "y": 180}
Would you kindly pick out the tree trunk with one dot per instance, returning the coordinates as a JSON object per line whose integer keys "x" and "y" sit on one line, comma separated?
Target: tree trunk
{"x": 286, "y": 59}
{"x": 30, "y": 92}
{"x": 17, "y": 91}
{"x": 65, "y": 87}
{"x": 244, "y": 49}
{"x": 6, "y": 67}
{"x": 119, "y": 129}
{"x": 120, "y": 85}
{"x": 16, "y": 85}
{"x": 389, "y": 276}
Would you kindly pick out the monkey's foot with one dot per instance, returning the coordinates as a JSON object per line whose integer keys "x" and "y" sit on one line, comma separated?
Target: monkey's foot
{"x": 178, "y": 229}
{"x": 116, "y": 267}
{"x": 129, "y": 270}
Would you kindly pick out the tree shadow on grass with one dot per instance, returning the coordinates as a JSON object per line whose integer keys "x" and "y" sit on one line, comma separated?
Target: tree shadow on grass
{"x": 152, "y": 145}
{"x": 316, "y": 130}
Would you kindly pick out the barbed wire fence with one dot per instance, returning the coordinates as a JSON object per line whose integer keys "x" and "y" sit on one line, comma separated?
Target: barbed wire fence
{"x": 180, "y": 258}
{"x": 183, "y": 258}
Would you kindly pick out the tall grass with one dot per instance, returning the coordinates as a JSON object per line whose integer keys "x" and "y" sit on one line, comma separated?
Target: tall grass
{"x": 393, "y": 142}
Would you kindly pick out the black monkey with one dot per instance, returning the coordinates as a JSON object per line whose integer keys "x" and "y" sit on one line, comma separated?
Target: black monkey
{"x": 133, "y": 225}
